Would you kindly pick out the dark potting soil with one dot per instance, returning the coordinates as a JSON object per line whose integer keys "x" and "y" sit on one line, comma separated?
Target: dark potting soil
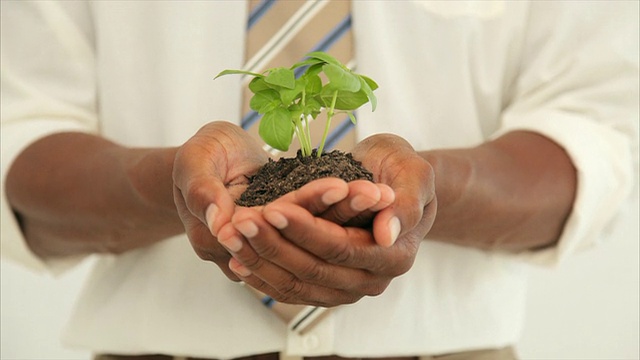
{"x": 277, "y": 178}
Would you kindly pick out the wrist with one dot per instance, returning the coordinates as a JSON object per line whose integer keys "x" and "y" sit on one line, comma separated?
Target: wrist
{"x": 150, "y": 174}
{"x": 453, "y": 171}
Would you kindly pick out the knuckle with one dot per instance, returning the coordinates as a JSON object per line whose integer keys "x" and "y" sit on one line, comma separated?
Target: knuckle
{"x": 313, "y": 272}
{"x": 400, "y": 267}
{"x": 376, "y": 288}
{"x": 350, "y": 299}
{"x": 414, "y": 215}
{"x": 200, "y": 238}
{"x": 253, "y": 263}
{"x": 339, "y": 255}
{"x": 214, "y": 256}
{"x": 398, "y": 264}
{"x": 267, "y": 251}
{"x": 305, "y": 238}
{"x": 292, "y": 290}
{"x": 340, "y": 215}
{"x": 196, "y": 189}
{"x": 197, "y": 194}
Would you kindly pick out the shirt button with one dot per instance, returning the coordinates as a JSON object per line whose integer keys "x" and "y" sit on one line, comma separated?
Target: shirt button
{"x": 310, "y": 341}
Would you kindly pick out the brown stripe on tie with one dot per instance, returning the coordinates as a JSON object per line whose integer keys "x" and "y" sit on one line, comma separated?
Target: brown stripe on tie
{"x": 281, "y": 36}
{"x": 326, "y": 16}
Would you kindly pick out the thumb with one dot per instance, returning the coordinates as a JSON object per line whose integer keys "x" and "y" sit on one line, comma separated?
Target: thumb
{"x": 220, "y": 210}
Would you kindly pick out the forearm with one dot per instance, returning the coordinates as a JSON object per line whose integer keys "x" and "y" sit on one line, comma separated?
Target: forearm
{"x": 77, "y": 193}
{"x": 514, "y": 193}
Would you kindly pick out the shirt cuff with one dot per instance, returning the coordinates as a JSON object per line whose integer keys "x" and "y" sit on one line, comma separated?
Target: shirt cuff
{"x": 604, "y": 164}
{"x": 15, "y": 137}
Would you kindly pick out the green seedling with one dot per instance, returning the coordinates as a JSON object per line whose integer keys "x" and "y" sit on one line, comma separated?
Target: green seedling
{"x": 287, "y": 104}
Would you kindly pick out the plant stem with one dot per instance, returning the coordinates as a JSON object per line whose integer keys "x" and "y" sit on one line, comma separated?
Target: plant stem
{"x": 328, "y": 123}
{"x": 307, "y": 133}
{"x": 304, "y": 145}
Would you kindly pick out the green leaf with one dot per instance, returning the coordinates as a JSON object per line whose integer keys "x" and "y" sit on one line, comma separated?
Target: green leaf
{"x": 350, "y": 101}
{"x": 314, "y": 69}
{"x": 313, "y": 86}
{"x": 282, "y": 77}
{"x": 307, "y": 62}
{"x": 265, "y": 101}
{"x": 372, "y": 84}
{"x": 324, "y": 57}
{"x": 345, "y": 100}
{"x": 312, "y": 107}
{"x": 289, "y": 95}
{"x": 352, "y": 117}
{"x": 236, "y": 72}
{"x": 276, "y": 129}
{"x": 341, "y": 79}
{"x": 295, "y": 111}
{"x": 258, "y": 84}
{"x": 367, "y": 90}
{"x": 278, "y": 96}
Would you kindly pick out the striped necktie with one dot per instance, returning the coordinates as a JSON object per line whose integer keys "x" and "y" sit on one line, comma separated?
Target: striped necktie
{"x": 280, "y": 33}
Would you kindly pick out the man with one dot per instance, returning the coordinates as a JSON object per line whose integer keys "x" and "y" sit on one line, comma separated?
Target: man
{"x": 514, "y": 130}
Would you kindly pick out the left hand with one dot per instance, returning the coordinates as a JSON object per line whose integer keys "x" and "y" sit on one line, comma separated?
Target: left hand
{"x": 290, "y": 252}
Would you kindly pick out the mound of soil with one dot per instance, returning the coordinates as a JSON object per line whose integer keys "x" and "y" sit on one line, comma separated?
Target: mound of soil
{"x": 277, "y": 178}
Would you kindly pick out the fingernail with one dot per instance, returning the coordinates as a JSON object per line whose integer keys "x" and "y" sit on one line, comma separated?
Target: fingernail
{"x": 332, "y": 196}
{"x": 233, "y": 244}
{"x": 210, "y": 217}
{"x": 394, "y": 229}
{"x": 276, "y": 219}
{"x": 238, "y": 268}
{"x": 247, "y": 228}
{"x": 360, "y": 203}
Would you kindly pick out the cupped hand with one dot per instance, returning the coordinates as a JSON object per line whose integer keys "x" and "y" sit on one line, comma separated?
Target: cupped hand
{"x": 210, "y": 171}
{"x": 394, "y": 162}
{"x": 265, "y": 258}
{"x": 296, "y": 250}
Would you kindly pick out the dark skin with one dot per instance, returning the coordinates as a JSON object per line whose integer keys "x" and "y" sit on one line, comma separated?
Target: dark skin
{"x": 305, "y": 247}
{"x": 485, "y": 182}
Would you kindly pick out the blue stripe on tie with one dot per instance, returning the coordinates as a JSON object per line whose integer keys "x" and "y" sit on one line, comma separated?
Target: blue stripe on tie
{"x": 258, "y": 12}
{"x": 338, "y": 133}
{"x": 249, "y": 119}
{"x": 331, "y": 38}
{"x": 268, "y": 301}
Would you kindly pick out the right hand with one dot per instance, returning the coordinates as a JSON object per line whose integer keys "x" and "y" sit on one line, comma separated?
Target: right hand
{"x": 266, "y": 258}
{"x": 210, "y": 171}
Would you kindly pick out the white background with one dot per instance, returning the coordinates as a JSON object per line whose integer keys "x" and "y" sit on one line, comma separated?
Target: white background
{"x": 586, "y": 309}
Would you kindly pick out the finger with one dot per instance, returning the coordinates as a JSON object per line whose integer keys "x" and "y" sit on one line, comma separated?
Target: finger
{"x": 362, "y": 196}
{"x": 276, "y": 260}
{"x": 204, "y": 244}
{"x": 345, "y": 246}
{"x": 365, "y": 218}
{"x": 386, "y": 228}
{"x": 207, "y": 200}
{"x": 218, "y": 155}
{"x": 311, "y": 295}
{"x": 387, "y": 197}
{"x": 413, "y": 195}
{"x": 201, "y": 187}
{"x": 264, "y": 260}
{"x": 318, "y": 195}
{"x": 395, "y": 163}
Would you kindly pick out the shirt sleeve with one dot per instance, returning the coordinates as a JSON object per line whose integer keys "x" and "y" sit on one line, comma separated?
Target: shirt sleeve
{"x": 48, "y": 86}
{"x": 578, "y": 86}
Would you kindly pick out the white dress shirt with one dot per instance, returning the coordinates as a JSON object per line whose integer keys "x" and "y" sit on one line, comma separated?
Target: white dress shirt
{"x": 451, "y": 74}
